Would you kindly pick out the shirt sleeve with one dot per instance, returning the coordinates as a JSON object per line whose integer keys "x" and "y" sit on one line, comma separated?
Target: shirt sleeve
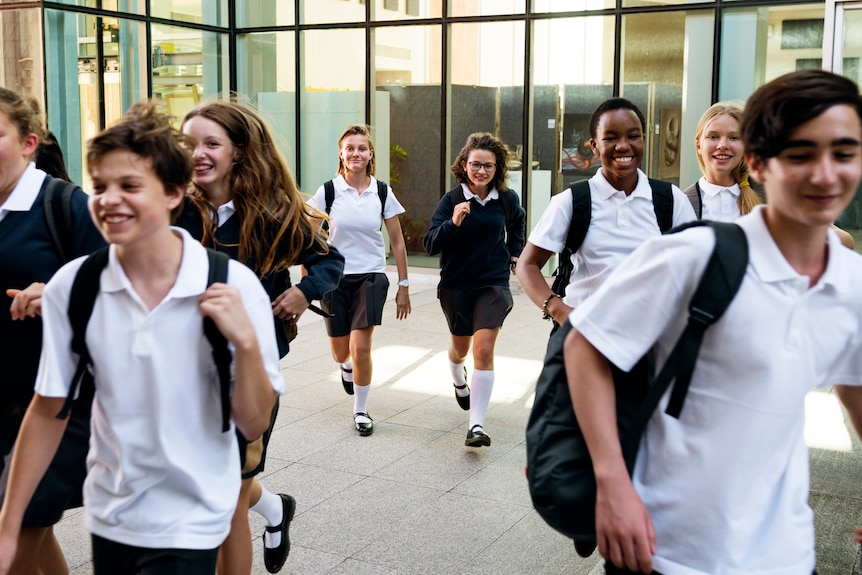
{"x": 551, "y": 230}
{"x": 441, "y": 230}
{"x": 393, "y": 207}
{"x": 324, "y": 271}
{"x": 57, "y": 363}
{"x": 516, "y": 229}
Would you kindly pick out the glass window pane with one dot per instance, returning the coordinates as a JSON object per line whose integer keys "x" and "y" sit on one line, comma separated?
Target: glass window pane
{"x": 331, "y": 11}
{"x": 21, "y": 52}
{"x": 762, "y": 43}
{"x": 851, "y": 45}
{"x": 188, "y": 65}
{"x": 655, "y": 49}
{"x": 407, "y": 124}
{"x": 540, "y": 6}
{"x": 84, "y": 96}
{"x": 332, "y": 97}
{"x": 266, "y": 78}
{"x": 212, "y": 12}
{"x": 128, "y": 6}
{"x": 485, "y": 8}
{"x": 487, "y": 91}
{"x": 264, "y": 13}
{"x": 406, "y": 9}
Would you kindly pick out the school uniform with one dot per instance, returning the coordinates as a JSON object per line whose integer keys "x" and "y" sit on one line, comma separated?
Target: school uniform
{"x": 727, "y": 483}
{"x": 28, "y": 255}
{"x": 618, "y": 224}
{"x": 161, "y": 474}
{"x": 718, "y": 203}
{"x": 355, "y": 231}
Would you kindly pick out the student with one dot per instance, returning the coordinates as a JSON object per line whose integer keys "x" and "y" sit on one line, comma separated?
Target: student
{"x": 480, "y": 242}
{"x": 723, "y": 193}
{"x": 622, "y": 213}
{"x": 245, "y": 203}
{"x": 724, "y": 488}
{"x": 28, "y": 259}
{"x": 162, "y": 479}
{"x": 356, "y": 305}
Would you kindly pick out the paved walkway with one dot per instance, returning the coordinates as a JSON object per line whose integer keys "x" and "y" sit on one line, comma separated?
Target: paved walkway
{"x": 411, "y": 499}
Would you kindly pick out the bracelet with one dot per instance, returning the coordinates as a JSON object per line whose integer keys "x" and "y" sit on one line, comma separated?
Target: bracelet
{"x": 545, "y": 314}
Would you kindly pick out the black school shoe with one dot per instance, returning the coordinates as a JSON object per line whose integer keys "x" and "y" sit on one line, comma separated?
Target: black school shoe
{"x": 273, "y": 559}
{"x": 363, "y": 429}
{"x": 477, "y": 437}
{"x": 348, "y": 385}
{"x": 463, "y": 402}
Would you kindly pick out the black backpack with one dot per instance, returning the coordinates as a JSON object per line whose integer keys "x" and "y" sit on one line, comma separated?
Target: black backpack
{"x": 695, "y": 196}
{"x": 559, "y": 469}
{"x": 57, "y": 202}
{"x": 82, "y": 300}
{"x": 662, "y": 201}
{"x": 329, "y": 198}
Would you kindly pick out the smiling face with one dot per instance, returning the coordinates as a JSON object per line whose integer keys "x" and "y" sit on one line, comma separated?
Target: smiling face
{"x": 812, "y": 180}
{"x": 15, "y": 152}
{"x": 480, "y": 178}
{"x": 130, "y": 204}
{"x": 619, "y": 142}
{"x": 355, "y": 153}
{"x": 720, "y": 149}
{"x": 214, "y": 155}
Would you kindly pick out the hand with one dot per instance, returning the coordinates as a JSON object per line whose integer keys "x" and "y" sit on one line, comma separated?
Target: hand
{"x": 26, "y": 302}
{"x": 558, "y": 310}
{"x": 624, "y": 529}
{"x": 223, "y": 304}
{"x": 460, "y": 212}
{"x": 402, "y": 303}
{"x": 290, "y": 305}
{"x": 513, "y": 261}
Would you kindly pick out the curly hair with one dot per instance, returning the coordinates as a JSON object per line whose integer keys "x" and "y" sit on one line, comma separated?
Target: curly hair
{"x": 358, "y": 130}
{"x": 268, "y": 203}
{"x": 748, "y": 198}
{"x": 148, "y": 134}
{"x": 489, "y": 142}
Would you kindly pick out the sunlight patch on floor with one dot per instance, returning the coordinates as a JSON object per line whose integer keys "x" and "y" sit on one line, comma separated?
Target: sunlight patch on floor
{"x": 824, "y": 422}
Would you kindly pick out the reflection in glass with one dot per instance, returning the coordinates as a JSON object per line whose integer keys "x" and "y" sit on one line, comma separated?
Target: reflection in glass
{"x": 251, "y": 13}
{"x": 212, "y": 12}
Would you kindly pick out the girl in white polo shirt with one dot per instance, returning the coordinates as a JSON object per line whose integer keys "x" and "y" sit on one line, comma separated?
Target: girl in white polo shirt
{"x": 355, "y": 229}
{"x": 162, "y": 477}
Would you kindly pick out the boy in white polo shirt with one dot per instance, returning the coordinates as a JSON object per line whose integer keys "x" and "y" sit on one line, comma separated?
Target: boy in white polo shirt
{"x": 622, "y": 214}
{"x": 162, "y": 476}
{"x": 723, "y": 489}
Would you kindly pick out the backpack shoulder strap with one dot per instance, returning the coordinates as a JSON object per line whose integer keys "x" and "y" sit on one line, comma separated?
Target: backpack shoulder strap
{"x": 458, "y": 195}
{"x": 382, "y": 192}
{"x": 662, "y": 203}
{"x": 218, "y": 266}
{"x": 581, "y": 214}
{"x": 695, "y": 196}
{"x": 329, "y": 195}
{"x": 57, "y": 199}
{"x": 82, "y": 300}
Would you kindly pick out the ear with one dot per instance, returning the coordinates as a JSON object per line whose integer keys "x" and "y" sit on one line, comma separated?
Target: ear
{"x": 175, "y": 194}
{"x": 593, "y": 144}
{"x": 30, "y": 144}
{"x": 756, "y": 166}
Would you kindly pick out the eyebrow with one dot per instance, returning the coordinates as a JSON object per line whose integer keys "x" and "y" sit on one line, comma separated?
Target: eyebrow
{"x": 810, "y": 144}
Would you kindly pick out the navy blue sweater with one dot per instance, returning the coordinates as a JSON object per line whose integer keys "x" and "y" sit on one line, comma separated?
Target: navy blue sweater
{"x": 324, "y": 270}
{"x": 27, "y": 255}
{"x": 476, "y": 253}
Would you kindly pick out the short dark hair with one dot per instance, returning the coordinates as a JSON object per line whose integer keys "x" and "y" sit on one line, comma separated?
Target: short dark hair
{"x": 491, "y": 143}
{"x": 610, "y": 105}
{"x": 778, "y": 107}
{"x": 147, "y": 133}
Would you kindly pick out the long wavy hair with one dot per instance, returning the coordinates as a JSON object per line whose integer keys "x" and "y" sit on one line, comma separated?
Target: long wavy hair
{"x": 491, "y": 143}
{"x": 748, "y": 198}
{"x": 269, "y": 205}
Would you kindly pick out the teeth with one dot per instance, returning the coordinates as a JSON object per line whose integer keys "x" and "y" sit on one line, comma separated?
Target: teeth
{"x": 115, "y": 219}
{"x": 624, "y": 159}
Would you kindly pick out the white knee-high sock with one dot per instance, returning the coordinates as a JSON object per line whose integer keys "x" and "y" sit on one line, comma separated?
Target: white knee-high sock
{"x": 360, "y": 398}
{"x": 269, "y": 507}
{"x": 347, "y": 375}
{"x": 459, "y": 376}
{"x": 482, "y": 385}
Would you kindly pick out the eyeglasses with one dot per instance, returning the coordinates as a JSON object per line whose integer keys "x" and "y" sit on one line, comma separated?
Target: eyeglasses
{"x": 476, "y": 166}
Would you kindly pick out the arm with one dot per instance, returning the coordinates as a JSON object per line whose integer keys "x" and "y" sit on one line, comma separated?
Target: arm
{"x": 443, "y": 227}
{"x": 623, "y": 527}
{"x": 322, "y": 273}
{"x": 38, "y": 440}
{"x": 516, "y": 229}
{"x": 399, "y": 250}
{"x": 851, "y": 397}
{"x": 529, "y": 271}
{"x": 253, "y": 396}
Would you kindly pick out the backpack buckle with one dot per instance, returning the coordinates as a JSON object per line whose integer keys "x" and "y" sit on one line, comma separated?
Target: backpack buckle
{"x": 701, "y": 317}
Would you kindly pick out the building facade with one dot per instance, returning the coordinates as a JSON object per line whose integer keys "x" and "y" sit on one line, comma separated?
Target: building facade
{"x": 424, "y": 74}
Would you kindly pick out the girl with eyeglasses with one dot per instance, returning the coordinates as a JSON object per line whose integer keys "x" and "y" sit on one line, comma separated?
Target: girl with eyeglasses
{"x": 479, "y": 229}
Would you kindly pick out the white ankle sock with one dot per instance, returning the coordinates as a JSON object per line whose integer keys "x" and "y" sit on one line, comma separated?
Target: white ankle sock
{"x": 458, "y": 377}
{"x": 270, "y": 508}
{"x": 347, "y": 371}
{"x": 481, "y": 386}
{"x": 360, "y": 398}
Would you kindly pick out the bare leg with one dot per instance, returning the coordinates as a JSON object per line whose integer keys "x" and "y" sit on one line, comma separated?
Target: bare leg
{"x": 51, "y": 558}
{"x": 360, "y": 352}
{"x": 39, "y": 553}
{"x": 235, "y": 554}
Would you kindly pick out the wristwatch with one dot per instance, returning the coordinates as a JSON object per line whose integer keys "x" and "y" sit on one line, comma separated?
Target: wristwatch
{"x": 404, "y": 283}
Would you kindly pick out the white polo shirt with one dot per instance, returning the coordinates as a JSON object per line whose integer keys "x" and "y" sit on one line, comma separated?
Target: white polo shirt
{"x": 719, "y": 203}
{"x": 354, "y": 228}
{"x": 726, "y": 484}
{"x": 618, "y": 225}
{"x": 160, "y": 472}
{"x": 25, "y": 192}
